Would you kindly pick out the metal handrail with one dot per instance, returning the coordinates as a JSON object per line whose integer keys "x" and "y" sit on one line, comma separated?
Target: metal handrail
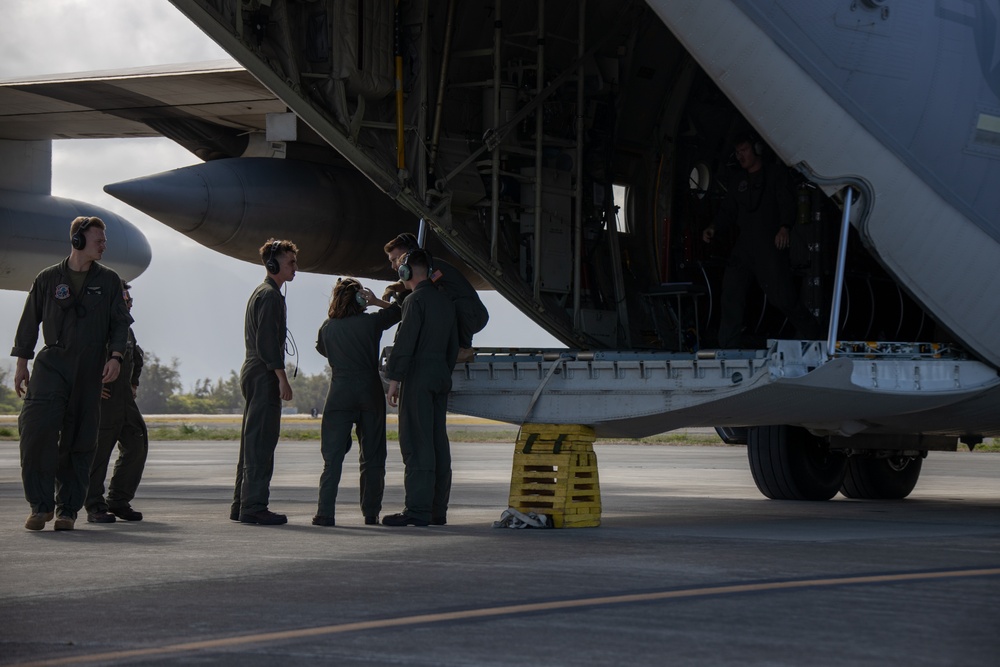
{"x": 838, "y": 281}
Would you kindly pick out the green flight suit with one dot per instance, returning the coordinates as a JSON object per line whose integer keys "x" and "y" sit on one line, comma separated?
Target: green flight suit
{"x": 759, "y": 205}
{"x": 121, "y": 424}
{"x": 59, "y": 420}
{"x": 355, "y": 399}
{"x": 470, "y": 312}
{"x": 264, "y": 332}
{"x": 422, "y": 359}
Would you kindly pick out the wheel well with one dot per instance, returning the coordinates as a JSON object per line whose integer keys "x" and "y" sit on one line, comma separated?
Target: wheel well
{"x": 886, "y": 445}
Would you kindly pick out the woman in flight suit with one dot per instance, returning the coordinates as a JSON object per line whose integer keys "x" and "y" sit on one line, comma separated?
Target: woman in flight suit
{"x": 349, "y": 339}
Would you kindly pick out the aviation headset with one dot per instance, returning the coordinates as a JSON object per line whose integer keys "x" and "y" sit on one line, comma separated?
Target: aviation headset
{"x": 271, "y": 262}
{"x": 747, "y": 136}
{"x": 359, "y": 297}
{"x": 405, "y": 271}
{"x": 750, "y": 138}
{"x": 78, "y": 240}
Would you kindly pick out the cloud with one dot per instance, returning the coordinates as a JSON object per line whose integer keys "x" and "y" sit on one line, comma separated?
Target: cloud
{"x": 58, "y": 36}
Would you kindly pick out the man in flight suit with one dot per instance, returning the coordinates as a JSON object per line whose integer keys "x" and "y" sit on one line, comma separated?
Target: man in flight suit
{"x": 79, "y": 304}
{"x": 264, "y": 386}
{"x": 419, "y": 373}
{"x": 761, "y": 205}
{"x": 469, "y": 309}
{"x": 121, "y": 423}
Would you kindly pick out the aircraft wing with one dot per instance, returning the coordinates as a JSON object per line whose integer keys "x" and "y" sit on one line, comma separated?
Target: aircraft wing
{"x": 133, "y": 102}
{"x": 220, "y": 113}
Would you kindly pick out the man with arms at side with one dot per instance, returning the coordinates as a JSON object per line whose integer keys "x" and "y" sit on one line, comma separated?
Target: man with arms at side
{"x": 264, "y": 386}
{"x": 470, "y": 312}
{"x": 79, "y": 305}
{"x": 419, "y": 373}
{"x": 121, "y": 424}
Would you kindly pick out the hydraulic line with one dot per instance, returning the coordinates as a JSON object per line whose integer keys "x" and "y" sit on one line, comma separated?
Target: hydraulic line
{"x": 442, "y": 82}
{"x": 398, "y": 57}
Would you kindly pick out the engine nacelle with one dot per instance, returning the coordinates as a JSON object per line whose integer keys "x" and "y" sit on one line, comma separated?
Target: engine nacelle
{"x": 35, "y": 233}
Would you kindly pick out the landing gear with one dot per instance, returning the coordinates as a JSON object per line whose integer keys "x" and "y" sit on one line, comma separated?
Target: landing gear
{"x": 888, "y": 478}
{"x": 732, "y": 435}
{"x": 789, "y": 463}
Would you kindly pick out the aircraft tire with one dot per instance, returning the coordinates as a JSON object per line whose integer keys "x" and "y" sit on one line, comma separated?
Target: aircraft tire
{"x": 881, "y": 479}
{"x": 789, "y": 463}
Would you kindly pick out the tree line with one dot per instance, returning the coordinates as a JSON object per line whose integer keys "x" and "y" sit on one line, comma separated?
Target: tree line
{"x": 10, "y": 404}
{"x": 161, "y": 391}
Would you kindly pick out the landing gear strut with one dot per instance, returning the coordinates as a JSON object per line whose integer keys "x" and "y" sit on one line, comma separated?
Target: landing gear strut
{"x": 789, "y": 463}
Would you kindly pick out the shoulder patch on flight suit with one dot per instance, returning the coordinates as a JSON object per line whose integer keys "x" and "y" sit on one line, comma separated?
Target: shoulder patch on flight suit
{"x": 62, "y": 291}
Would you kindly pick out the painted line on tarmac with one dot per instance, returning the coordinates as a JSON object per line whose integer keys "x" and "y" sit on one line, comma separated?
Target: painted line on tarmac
{"x": 508, "y": 610}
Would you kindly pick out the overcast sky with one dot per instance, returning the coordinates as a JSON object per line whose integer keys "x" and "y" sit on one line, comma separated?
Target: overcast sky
{"x": 189, "y": 303}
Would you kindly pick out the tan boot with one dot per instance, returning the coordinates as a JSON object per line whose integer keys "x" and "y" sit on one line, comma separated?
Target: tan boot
{"x": 64, "y": 523}
{"x": 38, "y": 520}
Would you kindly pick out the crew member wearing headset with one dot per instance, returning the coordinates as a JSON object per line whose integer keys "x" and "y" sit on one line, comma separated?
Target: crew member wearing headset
{"x": 121, "y": 424}
{"x": 469, "y": 309}
{"x": 419, "y": 373}
{"x": 349, "y": 339}
{"x": 761, "y": 205}
{"x": 79, "y": 305}
{"x": 264, "y": 385}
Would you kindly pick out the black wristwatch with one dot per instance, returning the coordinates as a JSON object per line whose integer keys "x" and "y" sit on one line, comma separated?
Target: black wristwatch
{"x": 118, "y": 359}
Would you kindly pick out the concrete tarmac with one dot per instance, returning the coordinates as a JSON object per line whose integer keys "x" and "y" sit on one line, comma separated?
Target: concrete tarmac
{"x": 691, "y": 566}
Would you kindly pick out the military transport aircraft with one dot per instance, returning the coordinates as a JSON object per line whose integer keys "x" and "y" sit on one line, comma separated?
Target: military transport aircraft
{"x": 569, "y": 154}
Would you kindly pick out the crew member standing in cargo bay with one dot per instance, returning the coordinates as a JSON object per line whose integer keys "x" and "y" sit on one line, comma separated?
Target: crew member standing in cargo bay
{"x": 419, "y": 373}
{"x": 264, "y": 386}
{"x": 760, "y": 204}
{"x": 79, "y": 304}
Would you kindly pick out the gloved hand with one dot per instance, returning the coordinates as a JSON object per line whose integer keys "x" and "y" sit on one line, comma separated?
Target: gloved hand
{"x": 395, "y": 291}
